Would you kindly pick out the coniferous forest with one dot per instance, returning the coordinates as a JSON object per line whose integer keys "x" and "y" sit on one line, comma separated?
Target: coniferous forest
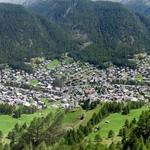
{"x": 75, "y": 75}
{"x": 108, "y": 32}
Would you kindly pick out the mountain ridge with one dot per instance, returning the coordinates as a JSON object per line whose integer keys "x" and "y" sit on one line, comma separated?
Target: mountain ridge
{"x": 110, "y": 28}
{"x": 108, "y": 32}
{"x": 24, "y": 35}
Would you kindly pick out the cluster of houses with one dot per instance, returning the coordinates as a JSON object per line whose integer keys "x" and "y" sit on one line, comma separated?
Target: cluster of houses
{"x": 73, "y": 83}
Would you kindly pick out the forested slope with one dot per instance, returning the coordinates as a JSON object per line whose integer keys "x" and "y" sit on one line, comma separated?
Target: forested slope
{"x": 106, "y": 31}
{"x": 24, "y": 35}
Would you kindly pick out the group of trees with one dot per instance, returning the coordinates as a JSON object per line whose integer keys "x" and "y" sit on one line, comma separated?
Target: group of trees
{"x": 7, "y": 109}
{"x": 110, "y": 38}
{"x": 45, "y": 129}
{"x": 15, "y": 111}
{"x": 115, "y": 106}
{"x": 88, "y": 105}
{"x": 136, "y": 134}
{"x": 75, "y": 136}
{"x": 46, "y": 133}
{"x": 25, "y": 35}
{"x": 129, "y": 82}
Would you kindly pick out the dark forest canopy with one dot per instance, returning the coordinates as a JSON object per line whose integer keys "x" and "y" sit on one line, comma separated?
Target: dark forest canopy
{"x": 105, "y": 30}
{"x": 24, "y": 35}
{"x": 96, "y": 32}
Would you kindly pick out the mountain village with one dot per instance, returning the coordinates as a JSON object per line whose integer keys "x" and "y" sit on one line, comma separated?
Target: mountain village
{"x": 72, "y": 83}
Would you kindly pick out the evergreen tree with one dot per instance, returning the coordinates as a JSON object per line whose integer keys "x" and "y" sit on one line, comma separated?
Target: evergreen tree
{"x": 120, "y": 132}
{"x": 17, "y": 114}
{"x": 134, "y": 121}
{"x": 126, "y": 110}
{"x": 127, "y": 124}
{"x": 111, "y": 134}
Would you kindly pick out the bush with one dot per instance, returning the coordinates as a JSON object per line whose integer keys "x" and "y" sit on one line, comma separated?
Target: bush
{"x": 98, "y": 138}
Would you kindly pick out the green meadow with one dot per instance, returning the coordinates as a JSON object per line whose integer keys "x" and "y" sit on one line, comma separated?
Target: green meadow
{"x": 72, "y": 119}
{"x": 7, "y": 122}
{"x": 115, "y": 122}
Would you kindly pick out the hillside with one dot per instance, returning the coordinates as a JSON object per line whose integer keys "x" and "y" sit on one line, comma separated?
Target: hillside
{"x": 24, "y": 35}
{"x": 108, "y": 32}
{"x": 53, "y": 128}
{"x": 140, "y": 6}
{"x": 105, "y": 30}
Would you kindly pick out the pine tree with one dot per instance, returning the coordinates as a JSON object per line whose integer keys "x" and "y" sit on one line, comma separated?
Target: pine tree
{"x": 127, "y": 124}
{"x": 125, "y": 132}
{"x": 125, "y": 110}
{"x": 134, "y": 121}
{"x": 17, "y": 127}
{"x": 120, "y": 132}
{"x": 17, "y": 114}
{"x": 111, "y": 134}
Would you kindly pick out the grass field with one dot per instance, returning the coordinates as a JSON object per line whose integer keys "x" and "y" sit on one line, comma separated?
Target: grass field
{"x": 72, "y": 119}
{"x": 53, "y": 64}
{"x": 7, "y": 122}
{"x": 116, "y": 121}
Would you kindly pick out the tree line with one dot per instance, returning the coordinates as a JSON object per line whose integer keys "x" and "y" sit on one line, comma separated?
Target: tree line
{"x": 15, "y": 111}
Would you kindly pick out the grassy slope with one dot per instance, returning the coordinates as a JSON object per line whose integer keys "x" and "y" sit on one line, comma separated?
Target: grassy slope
{"x": 116, "y": 121}
{"x": 7, "y": 122}
{"x": 72, "y": 119}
